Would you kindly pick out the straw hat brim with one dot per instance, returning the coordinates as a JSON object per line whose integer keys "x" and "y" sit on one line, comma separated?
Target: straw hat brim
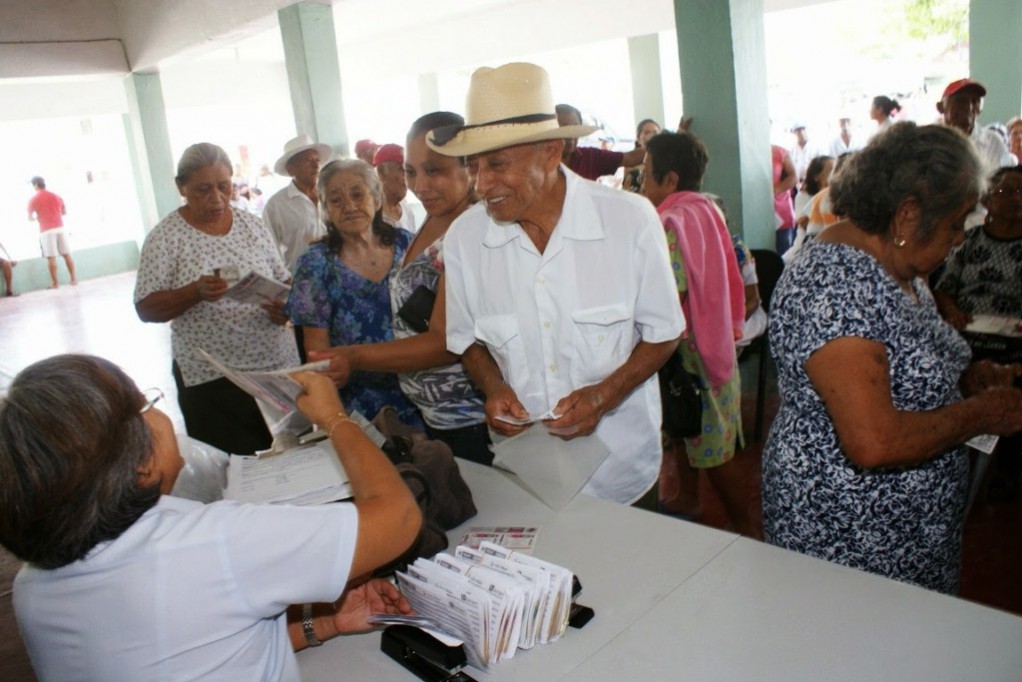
{"x": 487, "y": 138}
{"x": 326, "y": 153}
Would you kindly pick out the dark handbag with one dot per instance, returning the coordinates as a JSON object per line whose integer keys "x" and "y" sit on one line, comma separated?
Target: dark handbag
{"x": 681, "y": 399}
{"x": 417, "y": 310}
{"x": 431, "y": 473}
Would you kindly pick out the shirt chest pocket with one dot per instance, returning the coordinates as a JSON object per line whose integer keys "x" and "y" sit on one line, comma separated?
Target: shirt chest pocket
{"x": 503, "y": 339}
{"x": 603, "y": 338}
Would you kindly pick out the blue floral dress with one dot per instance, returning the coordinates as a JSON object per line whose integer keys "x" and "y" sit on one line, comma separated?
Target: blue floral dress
{"x": 327, "y": 294}
{"x": 901, "y": 522}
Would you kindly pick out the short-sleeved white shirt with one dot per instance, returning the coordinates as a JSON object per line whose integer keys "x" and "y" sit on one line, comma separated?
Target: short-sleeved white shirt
{"x": 293, "y": 220}
{"x": 189, "y": 591}
{"x": 240, "y": 334}
{"x": 569, "y": 317}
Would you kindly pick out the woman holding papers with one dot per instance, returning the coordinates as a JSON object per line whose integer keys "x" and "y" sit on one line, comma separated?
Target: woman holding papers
{"x": 341, "y": 292}
{"x": 431, "y": 377}
{"x": 124, "y": 582}
{"x": 712, "y": 294}
{"x": 865, "y": 464}
{"x": 188, "y": 262}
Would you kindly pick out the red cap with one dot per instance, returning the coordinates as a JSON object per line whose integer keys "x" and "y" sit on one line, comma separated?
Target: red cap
{"x": 389, "y": 152}
{"x": 364, "y": 145}
{"x": 961, "y": 84}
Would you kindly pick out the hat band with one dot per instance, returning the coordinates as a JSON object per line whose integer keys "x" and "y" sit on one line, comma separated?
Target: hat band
{"x": 442, "y": 136}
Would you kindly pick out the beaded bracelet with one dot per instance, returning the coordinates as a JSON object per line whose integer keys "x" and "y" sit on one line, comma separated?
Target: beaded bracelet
{"x": 339, "y": 420}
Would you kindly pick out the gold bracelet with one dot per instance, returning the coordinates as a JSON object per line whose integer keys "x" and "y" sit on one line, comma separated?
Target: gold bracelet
{"x": 339, "y": 420}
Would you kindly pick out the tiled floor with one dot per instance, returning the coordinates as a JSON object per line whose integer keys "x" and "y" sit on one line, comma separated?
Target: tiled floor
{"x": 98, "y": 317}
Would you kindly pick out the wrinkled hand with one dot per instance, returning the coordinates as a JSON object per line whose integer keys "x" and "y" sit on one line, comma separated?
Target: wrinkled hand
{"x": 1003, "y": 407}
{"x": 505, "y": 402}
{"x": 579, "y": 413}
{"x": 211, "y": 287}
{"x": 340, "y": 363}
{"x": 985, "y": 374}
{"x": 275, "y": 309}
{"x": 358, "y": 603}
{"x": 319, "y": 402}
{"x": 956, "y": 317}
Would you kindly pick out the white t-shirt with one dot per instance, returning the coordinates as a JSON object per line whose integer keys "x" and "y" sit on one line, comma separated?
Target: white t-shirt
{"x": 569, "y": 317}
{"x": 293, "y": 220}
{"x": 189, "y": 591}
{"x": 241, "y": 335}
{"x": 407, "y": 220}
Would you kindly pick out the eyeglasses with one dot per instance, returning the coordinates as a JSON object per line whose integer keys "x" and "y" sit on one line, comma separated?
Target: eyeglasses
{"x": 151, "y": 396}
{"x": 1017, "y": 191}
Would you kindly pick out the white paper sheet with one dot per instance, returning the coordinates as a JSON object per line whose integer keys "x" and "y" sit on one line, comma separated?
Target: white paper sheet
{"x": 553, "y": 469}
{"x": 302, "y": 476}
{"x": 993, "y": 324}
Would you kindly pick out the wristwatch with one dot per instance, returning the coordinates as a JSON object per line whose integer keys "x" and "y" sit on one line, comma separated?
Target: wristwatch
{"x": 307, "y": 629}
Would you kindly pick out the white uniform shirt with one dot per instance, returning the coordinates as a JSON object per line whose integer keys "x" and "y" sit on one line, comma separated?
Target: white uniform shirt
{"x": 569, "y": 317}
{"x": 241, "y": 335}
{"x": 293, "y": 220}
{"x": 189, "y": 591}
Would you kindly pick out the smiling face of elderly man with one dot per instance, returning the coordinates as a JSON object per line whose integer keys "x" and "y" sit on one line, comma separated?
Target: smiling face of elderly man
{"x": 518, "y": 184}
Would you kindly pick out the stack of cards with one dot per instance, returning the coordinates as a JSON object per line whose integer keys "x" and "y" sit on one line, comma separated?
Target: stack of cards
{"x": 493, "y": 599}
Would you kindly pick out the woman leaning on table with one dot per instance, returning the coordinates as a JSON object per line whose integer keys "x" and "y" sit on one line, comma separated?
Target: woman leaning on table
{"x": 180, "y": 280}
{"x": 431, "y": 377}
{"x": 341, "y": 294}
{"x": 864, "y": 465}
{"x": 124, "y": 582}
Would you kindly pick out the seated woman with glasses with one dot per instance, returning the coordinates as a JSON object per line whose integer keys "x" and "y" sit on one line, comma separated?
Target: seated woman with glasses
{"x": 124, "y": 582}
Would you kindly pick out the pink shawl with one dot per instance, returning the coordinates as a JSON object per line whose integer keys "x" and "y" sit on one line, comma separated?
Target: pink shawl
{"x": 715, "y": 304}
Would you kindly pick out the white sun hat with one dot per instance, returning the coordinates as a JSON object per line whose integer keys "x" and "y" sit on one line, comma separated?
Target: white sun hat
{"x": 297, "y": 146}
{"x": 509, "y": 105}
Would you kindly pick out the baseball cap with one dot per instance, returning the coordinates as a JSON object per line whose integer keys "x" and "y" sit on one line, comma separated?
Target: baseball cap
{"x": 389, "y": 152}
{"x": 961, "y": 84}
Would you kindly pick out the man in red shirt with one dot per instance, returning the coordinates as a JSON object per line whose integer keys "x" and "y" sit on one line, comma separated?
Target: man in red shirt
{"x": 48, "y": 209}
{"x": 592, "y": 162}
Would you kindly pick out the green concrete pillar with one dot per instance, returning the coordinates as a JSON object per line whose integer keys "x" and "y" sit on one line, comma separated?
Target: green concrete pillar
{"x": 995, "y": 56}
{"x": 647, "y": 86}
{"x": 149, "y": 146}
{"x": 724, "y": 87}
{"x": 429, "y": 93}
{"x": 314, "y": 72}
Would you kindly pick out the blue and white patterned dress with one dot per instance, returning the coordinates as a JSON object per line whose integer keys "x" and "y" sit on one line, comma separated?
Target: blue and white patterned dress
{"x": 327, "y": 294}
{"x": 901, "y": 522}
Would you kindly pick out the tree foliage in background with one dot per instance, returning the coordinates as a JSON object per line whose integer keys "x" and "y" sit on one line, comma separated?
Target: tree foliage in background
{"x": 927, "y": 18}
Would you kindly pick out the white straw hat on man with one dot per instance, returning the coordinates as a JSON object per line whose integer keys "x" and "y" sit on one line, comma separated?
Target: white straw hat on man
{"x": 298, "y": 145}
{"x": 506, "y": 106}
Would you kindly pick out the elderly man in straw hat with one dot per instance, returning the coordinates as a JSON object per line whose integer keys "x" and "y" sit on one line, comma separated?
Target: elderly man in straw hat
{"x": 292, "y": 214}
{"x": 560, "y": 295}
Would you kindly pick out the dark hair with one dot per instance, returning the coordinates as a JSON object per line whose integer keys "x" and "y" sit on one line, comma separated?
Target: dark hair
{"x": 999, "y": 174}
{"x": 198, "y": 156}
{"x": 385, "y": 232}
{"x": 432, "y": 121}
{"x": 936, "y": 165}
{"x": 886, "y": 104}
{"x": 812, "y": 185}
{"x": 72, "y": 439}
{"x": 642, "y": 124}
{"x": 38, "y": 182}
{"x": 683, "y": 153}
{"x": 568, "y": 109}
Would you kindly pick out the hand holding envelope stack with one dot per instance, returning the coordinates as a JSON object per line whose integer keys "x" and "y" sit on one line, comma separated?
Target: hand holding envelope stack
{"x": 493, "y": 599}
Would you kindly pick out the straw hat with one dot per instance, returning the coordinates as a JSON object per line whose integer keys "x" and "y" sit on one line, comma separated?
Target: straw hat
{"x": 512, "y": 104}
{"x": 297, "y": 146}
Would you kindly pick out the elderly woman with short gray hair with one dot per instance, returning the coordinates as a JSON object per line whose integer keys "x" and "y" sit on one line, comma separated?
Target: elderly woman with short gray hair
{"x": 341, "y": 289}
{"x": 125, "y": 582}
{"x": 865, "y": 463}
{"x": 188, "y": 262}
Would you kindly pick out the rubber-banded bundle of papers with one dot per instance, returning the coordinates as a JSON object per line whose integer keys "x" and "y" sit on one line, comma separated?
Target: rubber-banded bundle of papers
{"x": 494, "y": 600}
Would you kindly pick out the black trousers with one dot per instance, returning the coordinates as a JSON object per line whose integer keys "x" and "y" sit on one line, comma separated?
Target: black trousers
{"x": 468, "y": 442}
{"x": 221, "y": 414}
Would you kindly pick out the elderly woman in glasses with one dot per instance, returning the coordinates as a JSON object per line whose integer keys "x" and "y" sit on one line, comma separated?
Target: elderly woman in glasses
{"x": 188, "y": 262}
{"x": 865, "y": 463}
{"x": 124, "y": 582}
